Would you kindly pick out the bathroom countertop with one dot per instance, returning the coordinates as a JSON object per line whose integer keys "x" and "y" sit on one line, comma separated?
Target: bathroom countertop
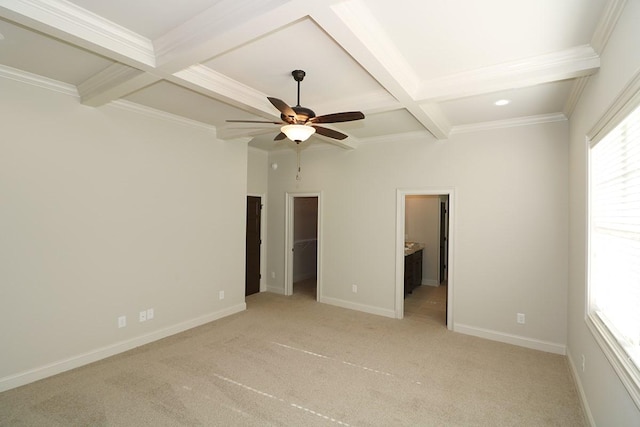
{"x": 412, "y": 247}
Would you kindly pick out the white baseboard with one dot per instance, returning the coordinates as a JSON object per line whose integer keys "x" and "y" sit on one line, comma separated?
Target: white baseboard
{"x": 275, "y": 290}
{"x": 73, "y": 362}
{"x": 586, "y": 410}
{"x": 430, "y": 282}
{"x": 359, "y": 307}
{"x": 547, "y": 346}
{"x": 304, "y": 276}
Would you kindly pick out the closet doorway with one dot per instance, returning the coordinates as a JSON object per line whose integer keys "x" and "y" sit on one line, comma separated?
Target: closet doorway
{"x": 302, "y": 260}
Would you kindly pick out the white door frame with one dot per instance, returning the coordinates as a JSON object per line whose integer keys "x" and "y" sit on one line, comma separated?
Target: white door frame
{"x": 288, "y": 245}
{"x": 401, "y": 195}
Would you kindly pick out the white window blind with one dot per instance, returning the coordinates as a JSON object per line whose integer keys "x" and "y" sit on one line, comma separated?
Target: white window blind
{"x": 614, "y": 234}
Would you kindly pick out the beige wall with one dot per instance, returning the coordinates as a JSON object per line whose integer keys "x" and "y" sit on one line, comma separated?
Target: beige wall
{"x": 608, "y": 401}
{"x": 510, "y": 252}
{"x": 103, "y": 213}
{"x": 257, "y": 172}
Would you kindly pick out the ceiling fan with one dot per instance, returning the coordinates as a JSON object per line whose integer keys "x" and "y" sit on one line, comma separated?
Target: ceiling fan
{"x": 299, "y": 123}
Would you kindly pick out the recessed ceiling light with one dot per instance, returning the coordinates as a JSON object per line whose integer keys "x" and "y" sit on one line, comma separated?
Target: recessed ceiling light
{"x": 502, "y": 102}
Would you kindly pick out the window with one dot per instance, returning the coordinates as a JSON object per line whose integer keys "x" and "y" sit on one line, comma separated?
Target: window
{"x": 614, "y": 242}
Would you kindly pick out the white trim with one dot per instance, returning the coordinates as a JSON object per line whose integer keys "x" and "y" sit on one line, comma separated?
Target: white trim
{"x": 39, "y": 81}
{"x": 358, "y": 307}
{"x": 162, "y": 115}
{"x": 71, "y": 23}
{"x": 627, "y": 372}
{"x": 586, "y": 410}
{"x": 621, "y": 107}
{"x": 275, "y": 290}
{"x": 508, "y": 123}
{"x": 607, "y": 24}
{"x": 73, "y": 362}
{"x": 561, "y": 65}
{"x": 549, "y": 347}
{"x": 288, "y": 245}
{"x": 400, "y": 231}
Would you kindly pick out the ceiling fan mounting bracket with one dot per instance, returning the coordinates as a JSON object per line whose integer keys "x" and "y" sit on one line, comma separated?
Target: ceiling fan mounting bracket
{"x": 298, "y": 75}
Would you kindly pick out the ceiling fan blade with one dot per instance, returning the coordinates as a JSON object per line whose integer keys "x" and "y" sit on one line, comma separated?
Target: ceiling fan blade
{"x": 330, "y": 133}
{"x": 280, "y": 137}
{"x": 338, "y": 117}
{"x": 253, "y": 121}
{"x": 283, "y": 108}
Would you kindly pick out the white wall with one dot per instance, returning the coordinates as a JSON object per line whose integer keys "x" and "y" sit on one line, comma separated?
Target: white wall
{"x": 608, "y": 401}
{"x": 103, "y": 213}
{"x": 510, "y": 251}
{"x": 257, "y": 171}
{"x": 422, "y": 225}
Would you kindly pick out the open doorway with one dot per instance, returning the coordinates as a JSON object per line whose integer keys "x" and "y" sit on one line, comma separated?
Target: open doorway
{"x": 424, "y": 279}
{"x": 303, "y": 245}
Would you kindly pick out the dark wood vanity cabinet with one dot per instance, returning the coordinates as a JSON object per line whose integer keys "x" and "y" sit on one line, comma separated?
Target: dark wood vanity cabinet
{"x": 412, "y": 271}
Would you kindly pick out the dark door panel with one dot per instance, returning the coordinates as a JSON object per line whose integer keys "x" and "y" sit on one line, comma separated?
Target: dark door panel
{"x": 252, "y": 269}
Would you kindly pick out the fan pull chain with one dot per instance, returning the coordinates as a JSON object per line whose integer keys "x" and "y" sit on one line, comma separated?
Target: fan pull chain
{"x": 298, "y": 175}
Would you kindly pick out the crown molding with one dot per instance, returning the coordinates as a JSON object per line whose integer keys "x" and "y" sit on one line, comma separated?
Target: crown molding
{"x": 399, "y": 137}
{"x": 501, "y": 124}
{"x": 113, "y": 82}
{"x": 39, "y": 81}
{"x": 569, "y": 63}
{"x": 625, "y": 102}
{"x": 73, "y": 24}
{"x": 574, "y": 96}
{"x": 599, "y": 41}
{"x": 211, "y": 83}
{"x": 162, "y": 115}
{"x": 607, "y": 23}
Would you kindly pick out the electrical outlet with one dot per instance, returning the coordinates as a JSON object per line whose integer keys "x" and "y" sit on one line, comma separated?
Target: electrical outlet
{"x": 354, "y": 289}
{"x": 150, "y": 313}
{"x": 520, "y": 318}
{"x": 582, "y": 362}
{"x": 143, "y": 316}
{"x": 221, "y": 294}
{"x": 122, "y": 321}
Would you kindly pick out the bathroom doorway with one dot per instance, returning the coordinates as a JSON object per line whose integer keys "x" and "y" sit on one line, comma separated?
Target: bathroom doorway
{"x": 425, "y": 220}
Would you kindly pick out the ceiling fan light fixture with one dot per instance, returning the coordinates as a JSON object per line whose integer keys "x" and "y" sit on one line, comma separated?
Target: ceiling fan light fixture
{"x": 298, "y": 133}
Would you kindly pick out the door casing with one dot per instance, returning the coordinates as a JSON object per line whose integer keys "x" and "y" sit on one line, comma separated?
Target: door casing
{"x": 288, "y": 238}
{"x": 401, "y": 195}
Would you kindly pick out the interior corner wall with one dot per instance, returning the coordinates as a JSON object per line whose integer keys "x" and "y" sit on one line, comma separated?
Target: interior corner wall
{"x": 510, "y": 252}
{"x": 608, "y": 402}
{"x": 105, "y": 213}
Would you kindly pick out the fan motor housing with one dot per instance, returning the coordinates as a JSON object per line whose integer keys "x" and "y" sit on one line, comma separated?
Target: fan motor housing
{"x": 303, "y": 114}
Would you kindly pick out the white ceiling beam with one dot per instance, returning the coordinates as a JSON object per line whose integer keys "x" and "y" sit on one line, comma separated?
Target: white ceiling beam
{"x": 354, "y": 27}
{"x": 114, "y": 82}
{"x": 224, "y": 26}
{"x": 208, "y": 82}
{"x": 570, "y": 63}
{"x": 73, "y": 24}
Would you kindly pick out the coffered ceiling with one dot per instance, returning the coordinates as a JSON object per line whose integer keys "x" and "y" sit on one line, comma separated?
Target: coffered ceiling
{"x": 427, "y": 67}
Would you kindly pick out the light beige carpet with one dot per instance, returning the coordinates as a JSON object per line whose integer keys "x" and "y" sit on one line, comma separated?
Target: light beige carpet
{"x": 290, "y": 361}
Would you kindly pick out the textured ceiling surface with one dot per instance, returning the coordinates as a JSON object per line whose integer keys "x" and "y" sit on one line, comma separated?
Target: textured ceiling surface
{"x": 412, "y": 67}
